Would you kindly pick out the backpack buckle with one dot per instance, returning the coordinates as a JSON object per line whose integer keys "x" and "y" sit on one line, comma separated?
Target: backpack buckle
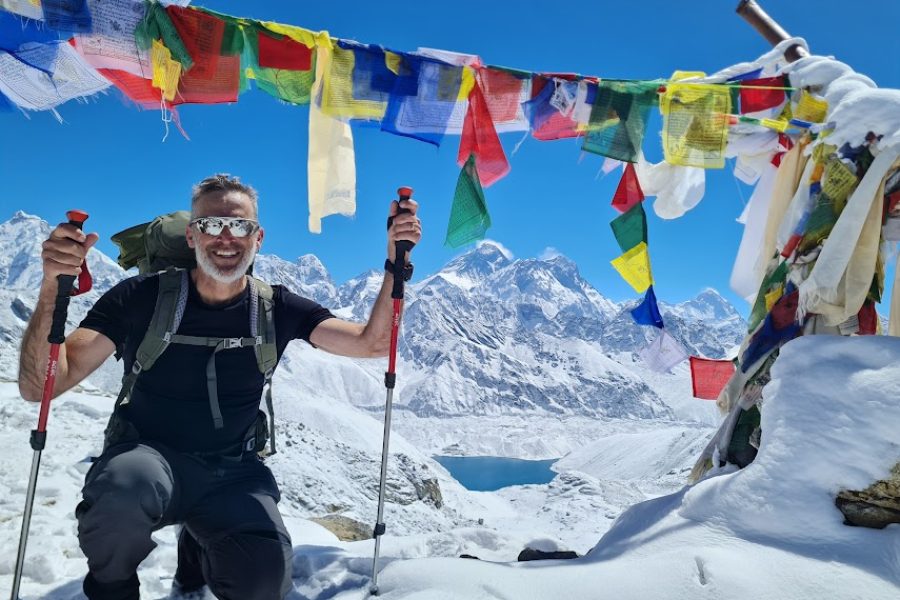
{"x": 233, "y": 343}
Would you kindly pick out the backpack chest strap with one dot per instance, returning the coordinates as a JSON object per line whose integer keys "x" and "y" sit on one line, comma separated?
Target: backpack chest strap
{"x": 219, "y": 344}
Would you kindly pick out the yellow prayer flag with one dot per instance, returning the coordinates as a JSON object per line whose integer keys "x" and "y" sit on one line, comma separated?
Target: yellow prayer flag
{"x": 773, "y": 297}
{"x": 776, "y": 124}
{"x": 337, "y": 90}
{"x": 166, "y": 72}
{"x": 393, "y": 61}
{"x": 695, "y": 124}
{"x": 468, "y": 82}
{"x": 809, "y": 108}
{"x": 839, "y": 182}
{"x": 634, "y": 267}
{"x": 298, "y": 34}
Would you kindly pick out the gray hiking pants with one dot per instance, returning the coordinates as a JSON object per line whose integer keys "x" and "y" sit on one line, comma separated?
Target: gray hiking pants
{"x": 230, "y": 509}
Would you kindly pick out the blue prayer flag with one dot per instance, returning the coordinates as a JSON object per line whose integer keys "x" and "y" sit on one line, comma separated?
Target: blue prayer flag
{"x": 647, "y": 312}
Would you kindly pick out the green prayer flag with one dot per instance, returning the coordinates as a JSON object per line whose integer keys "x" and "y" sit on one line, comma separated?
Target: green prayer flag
{"x": 774, "y": 279}
{"x": 619, "y": 118}
{"x": 287, "y": 85}
{"x": 469, "y": 218}
{"x": 156, "y": 25}
{"x": 630, "y": 228}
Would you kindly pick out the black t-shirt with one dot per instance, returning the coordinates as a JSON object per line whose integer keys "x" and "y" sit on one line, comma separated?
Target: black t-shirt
{"x": 170, "y": 402}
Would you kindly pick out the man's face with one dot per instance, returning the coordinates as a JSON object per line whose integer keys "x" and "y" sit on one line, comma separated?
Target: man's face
{"x": 224, "y": 257}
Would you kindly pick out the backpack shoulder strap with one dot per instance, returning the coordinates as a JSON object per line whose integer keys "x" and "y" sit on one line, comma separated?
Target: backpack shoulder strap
{"x": 263, "y": 307}
{"x": 263, "y": 328}
{"x": 170, "y": 302}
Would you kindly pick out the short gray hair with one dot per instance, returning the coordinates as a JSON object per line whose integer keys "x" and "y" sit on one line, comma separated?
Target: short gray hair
{"x": 223, "y": 182}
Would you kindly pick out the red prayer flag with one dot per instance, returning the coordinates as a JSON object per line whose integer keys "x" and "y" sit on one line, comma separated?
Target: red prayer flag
{"x": 557, "y": 126}
{"x": 868, "y": 319}
{"x": 213, "y": 78}
{"x": 202, "y": 35}
{"x": 222, "y": 86}
{"x": 141, "y": 91}
{"x": 283, "y": 53}
{"x": 502, "y": 93}
{"x": 137, "y": 89}
{"x": 753, "y": 100}
{"x": 709, "y": 376}
{"x": 629, "y": 192}
{"x": 784, "y": 312}
{"x": 480, "y": 138}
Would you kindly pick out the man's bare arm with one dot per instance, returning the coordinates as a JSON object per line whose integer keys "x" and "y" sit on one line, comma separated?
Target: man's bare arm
{"x": 370, "y": 340}
{"x": 374, "y": 338}
{"x": 84, "y": 350}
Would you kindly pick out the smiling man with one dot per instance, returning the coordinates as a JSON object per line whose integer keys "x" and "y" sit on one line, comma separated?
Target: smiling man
{"x": 182, "y": 445}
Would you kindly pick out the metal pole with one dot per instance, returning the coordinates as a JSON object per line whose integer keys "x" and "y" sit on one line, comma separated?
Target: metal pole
{"x": 379, "y": 525}
{"x": 56, "y": 337}
{"x": 766, "y": 26}
{"x": 390, "y": 380}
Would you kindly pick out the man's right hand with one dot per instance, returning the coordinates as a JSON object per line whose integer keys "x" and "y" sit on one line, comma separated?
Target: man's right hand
{"x": 65, "y": 250}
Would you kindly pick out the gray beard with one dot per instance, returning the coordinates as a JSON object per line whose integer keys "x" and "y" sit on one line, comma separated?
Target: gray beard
{"x": 207, "y": 266}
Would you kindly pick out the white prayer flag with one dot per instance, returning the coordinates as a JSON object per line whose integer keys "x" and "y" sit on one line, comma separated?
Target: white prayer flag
{"x": 663, "y": 353}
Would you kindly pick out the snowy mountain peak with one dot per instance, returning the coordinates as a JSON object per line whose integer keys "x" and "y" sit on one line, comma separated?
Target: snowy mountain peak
{"x": 21, "y": 215}
{"x": 708, "y": 305}
{"x": 479, "y": 262}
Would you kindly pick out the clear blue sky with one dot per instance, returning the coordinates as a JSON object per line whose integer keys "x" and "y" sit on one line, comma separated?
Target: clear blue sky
{"x": 107, "y": 157}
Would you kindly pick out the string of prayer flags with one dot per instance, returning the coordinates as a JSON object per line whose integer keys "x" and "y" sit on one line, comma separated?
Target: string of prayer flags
{"x": 709, "y": 377}
{"x": 761, "y": 94}
{"x": 634, "y": 267}
{"x": 630, "y": 228}
{"x": 469, "y": 218}
{"x": 619, "y": 118}
{"x": 480, "y": 138}
{"x": 647, "y": 312}
{"x": 358, "y": 83}
{"x": 332, "y": 163}
{"x": 628, "y": 193}
{"x": 424, "y": 101}
{"x": 663, "y": 353}
{"x": 695, "y": 123}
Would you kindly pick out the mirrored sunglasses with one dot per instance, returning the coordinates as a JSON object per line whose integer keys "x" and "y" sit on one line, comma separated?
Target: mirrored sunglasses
{"x": 215, "y": 225}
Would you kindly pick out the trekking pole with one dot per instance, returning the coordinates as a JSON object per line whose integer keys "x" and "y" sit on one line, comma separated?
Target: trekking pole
{"x": 390, "y": 378}
{"x": 64, "y": 285}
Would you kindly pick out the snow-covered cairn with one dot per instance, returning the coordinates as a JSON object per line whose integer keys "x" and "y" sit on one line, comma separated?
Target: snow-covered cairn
{"x": 820, "y": 227}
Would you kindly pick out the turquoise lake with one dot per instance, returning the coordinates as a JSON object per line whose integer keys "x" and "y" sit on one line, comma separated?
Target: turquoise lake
{"x": 489, "y": 473}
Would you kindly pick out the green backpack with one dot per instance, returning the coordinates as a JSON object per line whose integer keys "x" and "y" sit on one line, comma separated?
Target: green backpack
{"x": 160, "y": 246}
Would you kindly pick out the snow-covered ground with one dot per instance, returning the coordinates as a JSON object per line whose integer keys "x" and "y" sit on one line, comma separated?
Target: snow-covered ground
{"x": 768, "y": 531}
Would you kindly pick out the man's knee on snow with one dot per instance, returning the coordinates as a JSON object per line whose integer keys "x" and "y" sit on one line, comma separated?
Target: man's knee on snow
{"x": 249, "y": 565}
{"x": 130, "y": 488}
